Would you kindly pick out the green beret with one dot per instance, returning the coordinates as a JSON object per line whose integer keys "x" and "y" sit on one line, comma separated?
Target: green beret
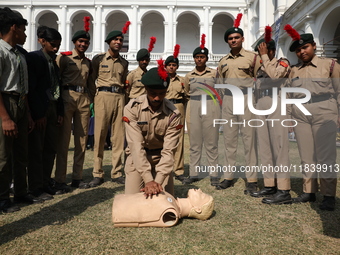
{"x": 171, "y": 59}
{"x": 199, "y": 50}
{"x": 113, "y": 34}
{"x": 142, "y": 53}
{"x": 80, "y": 34}
{"x": 152, "y": 80}
{"x": 270, "y": 45}
{"x": 232, "y": 30}
{"x": 304, "y": 39}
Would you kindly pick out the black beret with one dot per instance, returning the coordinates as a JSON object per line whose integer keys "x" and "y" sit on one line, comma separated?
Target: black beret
{"x": 142, "y": 53}
{"x": 232, "y": 30}
{"x": 80, "y": 34}
{"x": 113, "y": 34}
{"x": 152, "y": 80}
{"x": 171, "y": 59}
{"x": 270, "y": 45}
{"x": 304, "y": 39}
{"x": 199, "y": 50}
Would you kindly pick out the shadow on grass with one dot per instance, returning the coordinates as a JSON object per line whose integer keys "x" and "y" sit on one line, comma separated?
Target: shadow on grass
{"x": 56, "y": 214}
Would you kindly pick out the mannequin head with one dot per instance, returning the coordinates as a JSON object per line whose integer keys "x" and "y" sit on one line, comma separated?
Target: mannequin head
{"x": 202, "y": 204}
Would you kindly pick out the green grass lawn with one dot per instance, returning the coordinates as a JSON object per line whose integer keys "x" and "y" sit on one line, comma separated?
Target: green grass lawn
{"x": 80, "y": 223}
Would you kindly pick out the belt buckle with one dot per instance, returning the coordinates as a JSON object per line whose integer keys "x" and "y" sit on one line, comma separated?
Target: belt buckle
{"x": 80, "y": 89}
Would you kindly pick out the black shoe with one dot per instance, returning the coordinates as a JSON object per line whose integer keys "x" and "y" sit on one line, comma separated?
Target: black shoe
{"x": 45, "y": 196}
{"x": 61, "y": 188}
{"x": 266, "y": 191}
{"x": 190, "y": 180}
{"x": 214, "y": 181}
{"x": 180, "y": 177}
{"x": 280, "y": 197}
{"x": 96, "y": 182}
{"x": 119, "y": 180}
{"x": 251, "y": 188}
{"x": 80, "y": 184}
{"x": 6, "y": 206}
{"x": 27, "y": 199}
{"x": 225, "y": 184}
{"x": 305, "y": 197}
{"x": 49, "y": 189}
{"x": 328, "y": 203}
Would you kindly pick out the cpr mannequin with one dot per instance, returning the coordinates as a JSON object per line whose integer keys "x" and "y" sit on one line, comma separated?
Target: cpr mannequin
{"x": 163, "y": 210}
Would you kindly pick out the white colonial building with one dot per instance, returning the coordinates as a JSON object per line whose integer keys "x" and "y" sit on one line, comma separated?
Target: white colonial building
{"x": 183, "y": 22}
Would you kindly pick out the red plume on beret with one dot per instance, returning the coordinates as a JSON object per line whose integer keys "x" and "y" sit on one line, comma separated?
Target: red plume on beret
{"x": 161, "y": 70}
{"x": 152, "y": 43}
{"x": 126, "y": 27}
{"x": 86, "y": 23}
{"x": 176, "y": 50}
{"x": 292, "y": 32}
{"x": 202, "y": 41}
{"x": 238, "y": 20}
{"x": 268, "y": 34}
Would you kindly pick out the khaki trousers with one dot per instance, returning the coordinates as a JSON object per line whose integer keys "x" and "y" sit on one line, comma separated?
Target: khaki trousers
{"x": 316, "y": 139}
{"x": 231, "y": 132}
{"x": 13, "y": 151}
{"x": 76, "y": 111}
{"x": 108, "y": 110}
{"x": 134, "y": 181}
{"x": 179, "y": 152}
{"x": 273, "y": 144}
{"x": 203, "y": 133}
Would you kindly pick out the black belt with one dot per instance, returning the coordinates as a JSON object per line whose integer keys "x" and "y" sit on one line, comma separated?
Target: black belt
{"x": 75, "y": 88}
{"x": 152, "y": 150}
{"x": 319, "y": 98}
{"x": 176, "y": 101}
{"x": 228, "y": 92}
{"x": 113, "y": 89}
{"x": 200, "y": 97}
{"x": 266, "y": 92}
{"x": 11, "y": 93}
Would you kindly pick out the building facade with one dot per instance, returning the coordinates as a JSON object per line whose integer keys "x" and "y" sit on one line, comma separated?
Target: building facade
{"x": 183, "y": 22}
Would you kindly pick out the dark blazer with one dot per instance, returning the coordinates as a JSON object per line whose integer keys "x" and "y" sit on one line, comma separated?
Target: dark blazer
{"x": 39, "y": 81}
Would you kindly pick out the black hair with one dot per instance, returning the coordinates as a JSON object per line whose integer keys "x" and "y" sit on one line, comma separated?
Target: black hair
{"x": 9, "y": 18}
{"x": 41, "y": 30}
{"x": 50, "y": 34}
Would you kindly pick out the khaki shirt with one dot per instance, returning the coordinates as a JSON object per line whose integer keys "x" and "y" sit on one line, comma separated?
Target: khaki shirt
{"x": 108, "y": 71}
{"x": 75, "y": 70}
{"x": 316, "y": 76}
{"x": 239, "y": 70}
{"x": 270, "y": 72}
{"x": 152, "y": 130}
{"x": 195, "y": 82}
{"x": 136, "y": 87}
{"x": 176, "y": 88}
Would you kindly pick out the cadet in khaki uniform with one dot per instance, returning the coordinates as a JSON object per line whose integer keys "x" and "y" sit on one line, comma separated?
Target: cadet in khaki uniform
{"x": 273, "y": 140}
{"x": 109, "y": 74}
{"x": 316, "y": 133}
{"x": 176, "y": 95}
{"x": 153, "y": 125}
{"x": 238, "y": 68}
{"x": 136, "y": 88}
{"x": 77, "y": 95}
{"x": 200, "y": 81}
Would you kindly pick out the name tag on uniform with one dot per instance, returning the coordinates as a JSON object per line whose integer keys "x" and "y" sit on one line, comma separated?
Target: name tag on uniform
{"x": 105, "y": 66}
{"x": 296, "y": 78}
{"x": 191, "y": 79}
{"x": 72, "y": 64}
{"x": 224, "y": 65}
{"x": 139, "y": 80}
{"x": 142, "y": 122}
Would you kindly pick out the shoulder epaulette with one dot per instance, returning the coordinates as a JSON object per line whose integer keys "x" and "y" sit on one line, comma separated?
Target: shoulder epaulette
{"x": 66, "y": 53}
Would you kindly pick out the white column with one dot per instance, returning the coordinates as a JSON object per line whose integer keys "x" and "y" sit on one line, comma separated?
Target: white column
{"x": 133, "y": 32}
{"x": 309, "y": 21}
{"x": 28, "y": 17}
{"x": 62, "y": 27}
{"x": 139, "y": 32}
{"x": 206, "y": 21}
{"x": 97, "y": 29}
{"x": 262, "y": 15}
{"x": 34, "y": 39}
{"x": 68, "y": 38}
{"x": 170, "y": 37}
